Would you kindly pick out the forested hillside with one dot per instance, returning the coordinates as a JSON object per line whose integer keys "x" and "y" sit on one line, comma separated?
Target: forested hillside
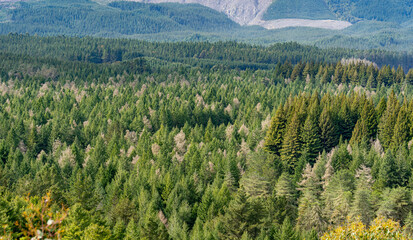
{"x": 85, "y": 17}
{"x": 375, "y": 25}
{"x": 203, "y": 54}
{"x": 356, "y": 10}
{"x": 349, "y": 10}
{"x": 307, "y": 9}
{"x": 126, "y": 139}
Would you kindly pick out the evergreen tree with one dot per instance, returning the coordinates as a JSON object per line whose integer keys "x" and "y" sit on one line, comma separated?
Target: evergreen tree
{"x": 395, "y": 204}
{"x": 309, "y": 207}
{"x": 291, "y": 146}
{"x": 362, "y": 206}
{"x": 287, "y": 231}
{"x": 402, "y": 127}
{"x": 240, "y": 218}
{"x": 275, "y": 134}
{"x": 328, "y": 133}
{"x": 311, "y": 143}
{"x": 387, "y": 174}
{"x": 388, "y": 121}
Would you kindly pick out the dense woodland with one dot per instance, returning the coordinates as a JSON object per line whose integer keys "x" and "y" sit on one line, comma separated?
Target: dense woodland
{"x": 214, "y": 145}
{"x": 375, "y": 25}
{"x": 85, "y": 17}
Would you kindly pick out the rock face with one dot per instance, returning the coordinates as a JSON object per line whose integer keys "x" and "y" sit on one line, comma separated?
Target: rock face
{"x": 243, "y": 12}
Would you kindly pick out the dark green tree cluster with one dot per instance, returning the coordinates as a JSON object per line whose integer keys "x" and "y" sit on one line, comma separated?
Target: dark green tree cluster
{"x": 158, "y": 149}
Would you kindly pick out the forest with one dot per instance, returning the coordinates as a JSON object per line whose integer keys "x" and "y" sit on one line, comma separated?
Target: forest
{"x": 375, "y": 25}
{"x": 127, "y": 139}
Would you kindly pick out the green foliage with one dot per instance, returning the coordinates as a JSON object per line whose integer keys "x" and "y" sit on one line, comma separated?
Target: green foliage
{"x": 84, "y": 18}
{"x": 168, "y": 146}
{"x": 314, "y": 9}
{"x": 291, "y": 146}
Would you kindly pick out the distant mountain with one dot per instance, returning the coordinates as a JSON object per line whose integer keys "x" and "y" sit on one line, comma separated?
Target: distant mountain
{"x": 240, "y": 11}
{"x": 388, "y": 11}
{"x": 84, "y": 17}
{"x": 362, "y": 24}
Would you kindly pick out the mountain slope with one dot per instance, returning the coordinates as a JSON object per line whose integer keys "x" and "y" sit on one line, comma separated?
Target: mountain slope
{"x": 240, "y": 11}
{"x": 84, "y": 17}
{"x": 306, "y": 9}
{"x": 389, "y": 11}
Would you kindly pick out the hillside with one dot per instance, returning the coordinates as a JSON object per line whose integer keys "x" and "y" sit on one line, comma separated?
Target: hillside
{"x": 304, "y": 9}
{"x": 240, "y": 11}
{"x": 125, "y": 139}
{"x": 84, "y": 17}
{"x": 308, "y": 22}
{"x": 356, "y": 10}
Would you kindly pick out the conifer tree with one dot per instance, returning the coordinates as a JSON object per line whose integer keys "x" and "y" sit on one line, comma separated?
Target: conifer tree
{"x": 291, "y": 146}
{"x": 287, "y": 231}
{"x": 275, "y": 134}
{"x": 381, "y": 107}
{"x": 345, "y": 123}
{"x": 337, "y": 198}
{"x": 310, "y": 137}
{"x": 328, "y": 133}
{"x": 285, "y": 190}
{"x": 362, "y": 206}
{"x": 259, "y": 174}
{"x": 395, "y": 204}
{"x": 360, "y": 132}
{"x": 387, "y": 174}
{"x": 309, "y": 207}
{"x": 388, "y": 121}
{"x": 402, "y": 127}
{"x": 240, "y": 218}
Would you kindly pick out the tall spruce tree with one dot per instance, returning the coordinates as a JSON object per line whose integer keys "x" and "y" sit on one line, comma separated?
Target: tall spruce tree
{"x": 401, "y": 133}
{"x": 388, "y": 121}
{"x": 291, "y": 146}
{"x": 310, "y": 137}
{"x": 310, "y": 214}
{"x": 328, "y": 132}
{"x": 362, "y": 206}
{"x": 275, "y": 134}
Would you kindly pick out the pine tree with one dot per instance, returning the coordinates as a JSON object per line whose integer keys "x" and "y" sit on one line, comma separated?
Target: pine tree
{"x": 259, "y": 175}
{"x": 309, "y": 208}
{"x": 399, "y": 78}
{"x": 328, "y": 133}
{"x": 274, "y": 137}
{"x": 286, "y": 192}
{"x": 338, "y": 73}
{"x": 132, "y": 231}
{"x": 362, "y": 206}
{"x": 381, "y": 107}
{"x": 387, "y": 174}
{"x": 388, "y": 121}
{"x": 371, "y": 82}
{"x": 409, "y": 76}
{"x": 401, "y": 133}
{"x": 408, "y": 225}
{"x": 290, "y": 151}
{"x": 240, "y": 218}
{"x": 287, "y": 231}
{"x": 360, "y": 132}
{"x": 369, "y": 113}
{"x": 395, "y": 204}
{"x": 345, "y": 123}
{"x": 337, "y": 198}
{"x": 82, "y": 191}
{"x": 310, "y": 137}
